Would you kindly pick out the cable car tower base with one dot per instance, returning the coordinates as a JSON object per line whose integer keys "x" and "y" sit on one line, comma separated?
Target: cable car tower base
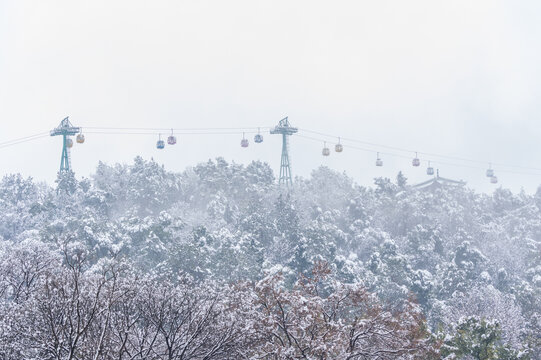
{"x": 284, "y": 128}
{"x": 65, "y": 129}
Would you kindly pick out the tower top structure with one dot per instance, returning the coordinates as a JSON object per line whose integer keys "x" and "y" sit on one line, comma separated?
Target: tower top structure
{"x": 65, "y": 129}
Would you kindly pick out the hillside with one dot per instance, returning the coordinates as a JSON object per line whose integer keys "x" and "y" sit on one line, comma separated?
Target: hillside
{"x": 219, "y": 262}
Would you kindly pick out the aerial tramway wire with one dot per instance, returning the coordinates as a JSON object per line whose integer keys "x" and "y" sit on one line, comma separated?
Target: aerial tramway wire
{"x": 23, "y": 140}
{"x": 231, "y": 131}
{"x": 398, "y": 152}
{"x": 329, "y": 136}
{"x": 176, "y": 133}
{"x": 241, "y": 129}
{"x": 322, "y": 140}
{"x": 41, "y": 134}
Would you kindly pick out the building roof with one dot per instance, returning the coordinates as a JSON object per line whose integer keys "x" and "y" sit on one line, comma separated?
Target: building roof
{"x": 437, "y": 181}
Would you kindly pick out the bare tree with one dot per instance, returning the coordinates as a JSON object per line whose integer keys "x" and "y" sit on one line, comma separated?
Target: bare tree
{"x": 334, "y": 321}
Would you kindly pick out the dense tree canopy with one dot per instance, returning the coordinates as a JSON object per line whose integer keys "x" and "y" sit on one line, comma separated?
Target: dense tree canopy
{"x": 219, "y": 262}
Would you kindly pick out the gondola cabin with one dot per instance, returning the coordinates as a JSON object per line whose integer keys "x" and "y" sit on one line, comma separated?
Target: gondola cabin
{"x": 172, "y": 140}
{"x": 326, "y": 151}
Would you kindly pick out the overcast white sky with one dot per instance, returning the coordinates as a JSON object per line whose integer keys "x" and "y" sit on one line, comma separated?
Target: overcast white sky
{"x": 459, "y": 78}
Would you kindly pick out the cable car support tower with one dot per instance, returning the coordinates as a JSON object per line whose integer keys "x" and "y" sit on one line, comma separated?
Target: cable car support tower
{"x": 284, "y": 128}
{"x": 65, "y": 129}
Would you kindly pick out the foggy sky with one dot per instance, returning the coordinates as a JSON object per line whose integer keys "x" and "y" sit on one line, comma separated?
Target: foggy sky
{"x": 458, "y": 78}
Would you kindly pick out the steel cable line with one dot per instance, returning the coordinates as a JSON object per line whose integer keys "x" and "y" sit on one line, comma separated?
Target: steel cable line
{"x": 425, "y": 159}
{"x": 174, "y": 129}
{"x": 357, "y": 141}
{"x": 216, "y": 131}
{"x": 184, "y": 131}
{"x": 380, "y": 152}
{"x": 24, "y": 138}
{"x": 414, "y": 151}
{"x": 252, "y": 130}
{"x": 176, "y": 133}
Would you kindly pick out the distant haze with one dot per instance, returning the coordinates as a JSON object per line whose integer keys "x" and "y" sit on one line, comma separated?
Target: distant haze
{"x": 460, "y": 78}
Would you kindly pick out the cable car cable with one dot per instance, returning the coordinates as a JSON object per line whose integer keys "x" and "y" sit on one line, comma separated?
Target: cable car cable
{"x": 5, "y": 145}
{"x": 174, "y": 129}
{"x": 408, "y": 157}
{"x": 24, "y": 138}
{"x": 256, "y": 130}
{"x": 423, "y": 153}
{"x": 176, "y": 133}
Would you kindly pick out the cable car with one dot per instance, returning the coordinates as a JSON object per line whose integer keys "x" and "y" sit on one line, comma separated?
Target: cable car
{"x": 494, "y": 179}
{"x": 338, "y": 147}
{"x": 160, "y": 144}
{"x": 325, "y": 151}
{"x": 416, "y": 161}
{"x": 172, "y": 139}
{"x": 258, "y": 138}
{"x": 429, "y": 169}
{"x": 490, "y": 171}
{"x": 69, "y": 143}
{"x": 379, "y": 162}
{"x": 80, "y": 139}
{"x": 244, "y": 142}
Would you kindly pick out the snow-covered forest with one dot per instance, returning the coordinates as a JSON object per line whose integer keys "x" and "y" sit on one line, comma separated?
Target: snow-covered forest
{"x": 219, "y": 262}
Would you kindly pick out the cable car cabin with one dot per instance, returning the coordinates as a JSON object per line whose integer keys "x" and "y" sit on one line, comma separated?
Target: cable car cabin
{"x": 172, "y": 140}
{"x": 160, "y": 144}
{"x": 493, "y": 179}
{"x": 430, "y": 170}
{"x": 80, "y": 138}
{"x": 490, "y": 173}
{"x": 338, "y": 148}
{"x": 379, "y": 162}
{"x": 244, "y": 143}
{"x": 258, "y": 138}
{"x": 326, "y": 151}
{"x": 69, "y": 143}
{"x": 416, "y": 161}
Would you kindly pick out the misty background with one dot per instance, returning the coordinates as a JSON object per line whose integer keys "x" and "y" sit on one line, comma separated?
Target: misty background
{"x": 457, "y": 78}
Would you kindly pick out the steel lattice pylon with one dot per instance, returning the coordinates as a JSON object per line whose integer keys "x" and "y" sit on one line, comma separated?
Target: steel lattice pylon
{"x": 65, "y": 129}
{"x": 286, "y": 130}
